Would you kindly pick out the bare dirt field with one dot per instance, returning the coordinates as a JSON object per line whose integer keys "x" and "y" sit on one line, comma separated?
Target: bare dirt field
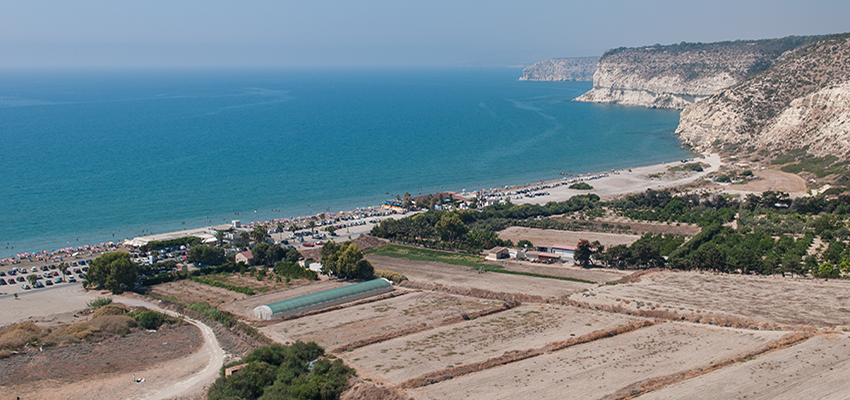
{"x": 55, "y": 305}
{"x": 771, "y": 179}
{"x": 186, "y": 291}
{"x": 548, "y": 237}
{"x": 465, "y": 277}
{"x": 602, "y": 367}
{"x": 336, "y": 328}
{"x": 597, "y": 275}
{"x": 528, "y": 326}
{"x": 245, "y": 306}
{"x": 641, "y": 227}
{"x": 768, "y": 299}
{"x": 807, "y": 370}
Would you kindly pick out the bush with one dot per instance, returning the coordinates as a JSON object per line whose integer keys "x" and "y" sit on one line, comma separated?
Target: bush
{"x": 112, "y": 309}
{"x": 18, "y": 335}
{"x": 294, "y": 271}
{"x": 393, "y": 276}
{"x": 57, "y": 339}
{"x": 79, "y": 330}
{"x": 222, "y": 317}
{"x": 151, "y": 319}
{"x": 99, "y": 302}
{"x": 581, "y": 186}
{"x": 115, "y": 324}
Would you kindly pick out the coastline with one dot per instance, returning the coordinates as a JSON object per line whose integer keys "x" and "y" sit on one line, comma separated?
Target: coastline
{"x": 607, "y": 185}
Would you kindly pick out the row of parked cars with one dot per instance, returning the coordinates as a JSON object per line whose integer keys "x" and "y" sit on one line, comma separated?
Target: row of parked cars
{"x": 49, "y": 277}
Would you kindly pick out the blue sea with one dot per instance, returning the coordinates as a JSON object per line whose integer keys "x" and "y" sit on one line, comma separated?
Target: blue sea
{"x": 102, "y": 155}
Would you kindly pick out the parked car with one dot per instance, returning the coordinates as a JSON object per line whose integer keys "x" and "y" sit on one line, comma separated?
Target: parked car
{"x": 38, "y": 284}
{"x": 34, "y": 269}
{"x": 2, "y": 273}
{"x": 71, "y": 279}
{"x": 308, "y": 244}
{"x": 58, "y": 280}
{"x": 12, "y": 272}
{"x": 48, "y": 282}
{"x": 21, "y": 279}
{"x": 25, "y": 287}
{"x": 2, "y": 281}
{"x": 85, "y": 269}
{"x": 77, "y": 270}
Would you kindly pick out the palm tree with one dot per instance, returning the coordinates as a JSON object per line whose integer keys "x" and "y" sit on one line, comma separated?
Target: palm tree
{"x": 311, "y": 225}
{"x": 244, "y": 236}
{"x": 31, "y": 279}
{"x": 219, "y": 237}
{"x": 63, "y": 268}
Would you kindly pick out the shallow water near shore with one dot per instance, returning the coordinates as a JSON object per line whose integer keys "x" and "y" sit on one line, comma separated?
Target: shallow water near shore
{"x": 95, "y": 156}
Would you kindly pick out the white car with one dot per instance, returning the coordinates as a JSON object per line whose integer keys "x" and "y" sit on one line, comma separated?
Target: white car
{"x": 25, "y": 287}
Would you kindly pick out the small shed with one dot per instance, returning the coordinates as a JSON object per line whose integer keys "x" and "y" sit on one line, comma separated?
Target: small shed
{"x": 498, "y": 253}
{"x": 328, "y": 298}
{"x": 542, "y": 257}
{"x": 246, "y": 257}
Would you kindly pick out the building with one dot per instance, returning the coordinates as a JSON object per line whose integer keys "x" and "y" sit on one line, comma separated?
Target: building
{"x": 541, "y": 256}
{"x": 563, "y": 250}
{"x": 498, "y": 253}
{"x": 246, "y": 257}
{"x": 328, "y": 298}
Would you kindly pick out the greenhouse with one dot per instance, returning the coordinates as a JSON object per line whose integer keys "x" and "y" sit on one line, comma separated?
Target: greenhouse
{"x": 328, "y": 298}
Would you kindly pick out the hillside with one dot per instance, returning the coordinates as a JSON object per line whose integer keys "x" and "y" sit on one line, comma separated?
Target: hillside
{"x": 561, "y": 69}
{"x": 802, "y": 102}
{"x": 675, "y": 76}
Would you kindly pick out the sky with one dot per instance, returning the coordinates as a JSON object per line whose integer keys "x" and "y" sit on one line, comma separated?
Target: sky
{"x": 379, "y": 33}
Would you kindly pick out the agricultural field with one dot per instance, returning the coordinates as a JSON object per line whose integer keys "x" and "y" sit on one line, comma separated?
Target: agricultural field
{"x": 466, "y": 277}
{"x": 602, "y": 367}
{"x": 340, "y": 327}
{"x": 300, "y": 287}
{"x": 187, "y": 292}
{"x": 761, "y": 298}
{"x": 548, "y": 237}
{"x": 521, "y": 328}
{"x": 598, "y": 275}
{"x": 813, "y": 369}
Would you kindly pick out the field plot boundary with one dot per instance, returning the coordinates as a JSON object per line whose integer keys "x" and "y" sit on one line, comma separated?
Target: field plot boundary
{"x": 642, "y": 387}
{"x": 479, "y": 293}
{"x": 451, "y": 373}
{"x": 423, "y": 327}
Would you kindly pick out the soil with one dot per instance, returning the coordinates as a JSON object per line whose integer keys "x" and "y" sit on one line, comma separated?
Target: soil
{"x": 771, "y": 179}
{"x": 465, "y": 277}
{"x": 598, "y": 275}
{"x": 340, "y": 327}
{"x": 640, "y": 227}
{"x": 548, "y": 237}
{"x": 807, "y": 370}
{"x": 597, "y": 368}
{"x": 528, "y": 326}
{"x": 768, "y": 299}
{"x": 187, "y": 292}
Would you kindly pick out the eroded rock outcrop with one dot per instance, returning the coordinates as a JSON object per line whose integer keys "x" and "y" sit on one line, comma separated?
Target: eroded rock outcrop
{"x": 801, "y": 101}
{"x": 676, "y": 76}
{"x": 561, "y": 69}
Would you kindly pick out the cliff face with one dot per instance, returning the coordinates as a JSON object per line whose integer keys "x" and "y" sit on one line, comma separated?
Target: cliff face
{"x": 676, "y": 76}
{"x": 561, "y": 69}
{"x": 802, "y": 101}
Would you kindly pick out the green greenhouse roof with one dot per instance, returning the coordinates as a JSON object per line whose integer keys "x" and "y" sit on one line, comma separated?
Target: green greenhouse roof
{"x": 327, "y": 295}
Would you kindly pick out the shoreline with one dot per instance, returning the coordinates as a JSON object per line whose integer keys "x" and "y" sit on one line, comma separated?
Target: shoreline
{"x": 607, "y": 185}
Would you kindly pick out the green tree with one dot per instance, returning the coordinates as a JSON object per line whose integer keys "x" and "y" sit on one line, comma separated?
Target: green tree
{"x": 31, "y": 279}
{"x": 114, "y": 271}
{"x": 525, "y": 243}
{"x": 259, "y": 233}
{"x": 450, "y": 227}
{"x": 206, "y": 255}
{"x": 346, "y": 261}
{"x": 292, "y": 255}
{"x": 617, "y": 256}
{"x": 583, "y": 253}
{"x": 245, "y": 236}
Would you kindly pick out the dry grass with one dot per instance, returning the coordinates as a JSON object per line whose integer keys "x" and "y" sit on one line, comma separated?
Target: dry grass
{"x": 479, "y": 293}
{"x": 111, "y": 309}
{"x": 115, "y": 324}
{"x": 17, "y": 335}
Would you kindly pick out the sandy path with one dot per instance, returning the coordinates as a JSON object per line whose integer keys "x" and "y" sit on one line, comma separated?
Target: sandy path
{"x": 814, "y": 369}
{"x": 623, "y": 182}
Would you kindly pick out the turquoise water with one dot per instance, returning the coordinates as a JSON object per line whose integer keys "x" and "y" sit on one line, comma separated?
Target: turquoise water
{"x": 93, "y": 156}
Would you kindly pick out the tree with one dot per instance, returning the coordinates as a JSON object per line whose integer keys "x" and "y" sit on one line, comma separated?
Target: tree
{"x": 244, "y": 236}
{"x": 617, "y": 256}
{"x": 450, "y": 227}
{"x": 407, "y": 201}
{"x": 63, "y": 268}
{"x": 114, "y": 271}
{"x": 31, "y": 279}
{"x": 206, "y": 255}
{"x": 346, "y": 261}
{"x": 259, "y": 233}
{"x": 525, "y": 243}
{"x": 311, "y": 224}
{"x": 583, "y": 252}
{"x": 219, "y": 237}
{"x": 292, "y": 255}
{"x": 267, "y": 254}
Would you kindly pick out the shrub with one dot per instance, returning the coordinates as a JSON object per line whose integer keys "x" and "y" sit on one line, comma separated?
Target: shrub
{"x": 294, "y": 271}
{"x": 79, "y": 330}
{"x": 115, "y": 324}
{"x": 57, "y": 339}
{"x": 393, "y": 276}
{"x": 222, "y": 317}
{"x": 150, "y": 319}
{"x": 112, "y": 309}
{"x": 18, "y": 335}
{"x": 581, "y": 186}
{"x": 99, "y": 302}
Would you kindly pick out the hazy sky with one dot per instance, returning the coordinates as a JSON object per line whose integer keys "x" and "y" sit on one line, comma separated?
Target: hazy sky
{"x": 154, "y": 33}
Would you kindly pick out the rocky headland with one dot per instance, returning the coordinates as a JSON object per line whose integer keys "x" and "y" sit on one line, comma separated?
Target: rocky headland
{"x": 675, "y": 76}
{"x": 801, "y": 102}
{"x": 561, "y": 69}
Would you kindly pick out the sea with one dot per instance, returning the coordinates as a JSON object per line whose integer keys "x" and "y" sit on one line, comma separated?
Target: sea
{"x": 92, "y": 156}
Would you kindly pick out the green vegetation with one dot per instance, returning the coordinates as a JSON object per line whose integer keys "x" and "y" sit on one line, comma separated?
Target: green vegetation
{"x": 233, "y": 288}
{"x": 164, "y": 244}
{"x": 223, "y": 317}
{"x": 299, "y": 371}
{"x": 292, "y": 270}
{"x": 267, "y": 254}
{"x": 149, "y": 319}
{"x": 206, "y": 255}
{"x": 346, "y": 261}
{"x": 581, "y": 186}
{"x": 689, "y": 167}
{"x": 99, "y": 302}
{"x": 395, "y": 277}
{"x": 113, "y": 271}
{"x": 420, "y": 254}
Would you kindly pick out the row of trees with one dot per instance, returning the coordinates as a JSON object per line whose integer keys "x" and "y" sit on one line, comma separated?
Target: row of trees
{"x": 345, "y": 260}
